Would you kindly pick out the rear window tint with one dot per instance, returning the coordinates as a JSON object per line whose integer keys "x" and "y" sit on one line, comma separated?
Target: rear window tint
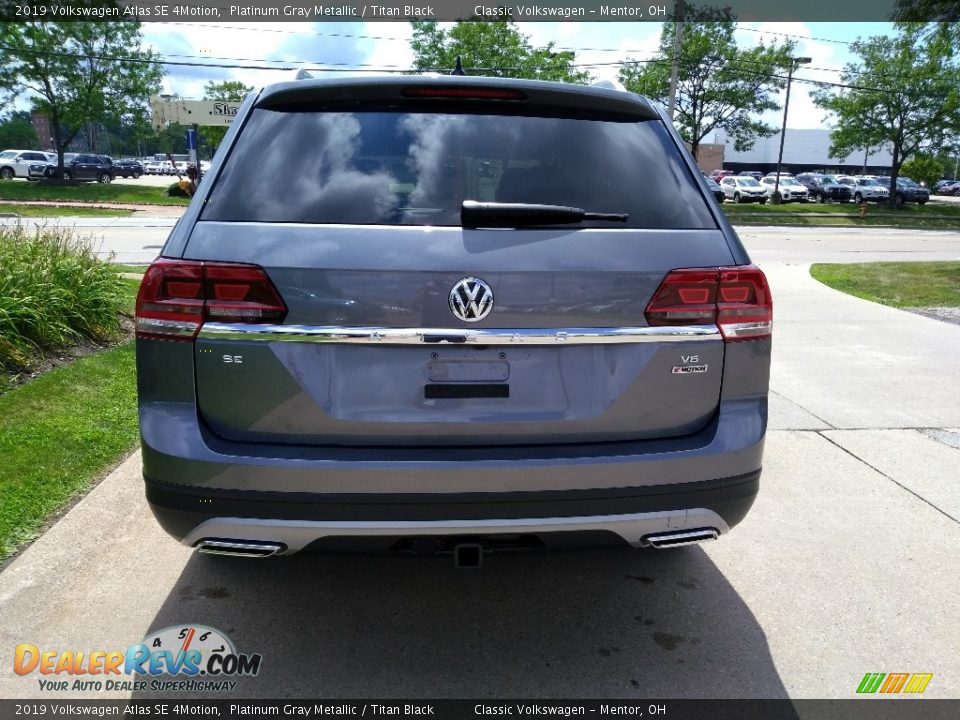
{"x": 400, "y": 168}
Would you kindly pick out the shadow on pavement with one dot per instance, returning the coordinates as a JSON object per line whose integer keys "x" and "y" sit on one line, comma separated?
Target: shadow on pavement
{"x": 587, "y": 624}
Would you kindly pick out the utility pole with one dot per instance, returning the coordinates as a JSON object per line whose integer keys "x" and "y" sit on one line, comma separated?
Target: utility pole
{"x": 677, "y": 39}
{"x": 794, "y": 64}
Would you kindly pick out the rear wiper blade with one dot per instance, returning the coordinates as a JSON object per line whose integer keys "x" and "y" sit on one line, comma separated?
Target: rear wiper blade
{"x": 497, "y": 214}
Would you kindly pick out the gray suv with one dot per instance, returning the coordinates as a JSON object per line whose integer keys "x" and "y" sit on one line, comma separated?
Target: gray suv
{"x": 436, "y": 315}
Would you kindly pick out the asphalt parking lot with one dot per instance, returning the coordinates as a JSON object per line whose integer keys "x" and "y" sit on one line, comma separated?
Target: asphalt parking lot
{"x": 847, "y": 563}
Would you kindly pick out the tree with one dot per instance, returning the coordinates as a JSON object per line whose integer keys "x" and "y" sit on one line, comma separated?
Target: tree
{"x": 923, "y": 168}
{"x": 78, "y": 73}
{"x": 495, "y": 49}
{"x": 719, "y": 85}
{"x": 903, "y": 91}
{"x": 226, "y": 91}
{"x": 16, "y": 131}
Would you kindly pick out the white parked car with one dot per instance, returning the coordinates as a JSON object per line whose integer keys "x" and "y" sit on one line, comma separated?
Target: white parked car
{"x": 17, "y": 163}
{"x": 790, "y": 189}
{"x": 866, "y": 189}
{"x": 742, "y": 189}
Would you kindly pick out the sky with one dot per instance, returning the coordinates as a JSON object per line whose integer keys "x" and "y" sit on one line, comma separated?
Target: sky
{"x": 385, "y": 45}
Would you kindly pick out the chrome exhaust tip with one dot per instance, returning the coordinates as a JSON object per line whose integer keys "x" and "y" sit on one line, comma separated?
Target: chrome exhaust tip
{"x": 239, "y": 548}
{"x": 679, "y": 538}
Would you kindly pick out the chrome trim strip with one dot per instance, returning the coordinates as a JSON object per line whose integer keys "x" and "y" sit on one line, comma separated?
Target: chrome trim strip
{"x": 297, "y": 534}
{"x": 454, "y": 336}
{"x": 167, "y": 327}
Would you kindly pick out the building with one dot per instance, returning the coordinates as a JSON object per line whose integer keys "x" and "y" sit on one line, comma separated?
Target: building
{"x": 41, "y": 126}
{"x": 803, "y": 151}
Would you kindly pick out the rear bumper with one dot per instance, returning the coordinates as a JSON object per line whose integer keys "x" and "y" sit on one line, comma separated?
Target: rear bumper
{"x": 200, "y": 486}
{"x": 299, "y": 520}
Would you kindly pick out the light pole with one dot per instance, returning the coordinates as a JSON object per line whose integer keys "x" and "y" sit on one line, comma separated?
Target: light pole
{"x": 794, "y": 64}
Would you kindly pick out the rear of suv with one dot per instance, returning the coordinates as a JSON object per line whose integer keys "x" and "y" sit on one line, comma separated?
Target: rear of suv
{"x": 435, "y": 315}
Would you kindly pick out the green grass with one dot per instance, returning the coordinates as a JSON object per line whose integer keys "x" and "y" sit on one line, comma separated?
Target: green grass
{"x": 60, "y": 433}
{"x": 912, "y": 284}
{"x": 61, "y": 211}
{"x": 54, "y": 292}
{"x": 940, "y": 216}
{"x": 138, "y": 269}
{"x": 128, "y": 298}
{"x": 90, "y": 193}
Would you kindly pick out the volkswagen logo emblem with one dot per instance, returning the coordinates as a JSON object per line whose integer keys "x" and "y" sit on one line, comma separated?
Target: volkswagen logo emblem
{"x": 471, "y": 299}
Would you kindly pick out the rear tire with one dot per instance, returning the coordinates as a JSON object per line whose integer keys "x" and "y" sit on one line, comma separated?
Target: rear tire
{"x": 921, "y": 202}
{"x": 858, "y": 199}
{"x": 136, "y": 176}
{"x": 105, "y": 178}
{"x": 736, "y": 198}
{"x": 67, "y": 175}
{"x": 6, "y": 173}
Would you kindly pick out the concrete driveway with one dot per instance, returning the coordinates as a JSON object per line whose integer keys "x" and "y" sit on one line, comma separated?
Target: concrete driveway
{"x": 847, "y": 563}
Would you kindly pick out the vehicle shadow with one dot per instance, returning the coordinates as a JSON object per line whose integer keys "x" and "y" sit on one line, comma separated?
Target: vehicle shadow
{"x": 585, "y": 624}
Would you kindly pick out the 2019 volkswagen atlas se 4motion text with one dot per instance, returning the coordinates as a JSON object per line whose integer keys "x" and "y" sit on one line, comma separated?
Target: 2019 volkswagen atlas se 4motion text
{"x": 451, "y": 315}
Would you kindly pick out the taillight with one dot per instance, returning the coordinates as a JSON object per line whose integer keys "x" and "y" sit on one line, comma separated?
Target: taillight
{"x": 177, "y": 296}
{"x": 744, "y": 305}
{"x": 735, "y": 299}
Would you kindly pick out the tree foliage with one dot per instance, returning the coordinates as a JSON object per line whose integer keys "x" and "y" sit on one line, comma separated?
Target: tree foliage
{"x": 77, "y": 73}
{"x": 16, "y": 131}
{"x": 719, "y": 85}
{"x": 226, "y": 91}
{"x": 904, "y": 92}
{"x": 923, "y": 168}
{"x": 945, "y": 11}
{"x": 496, "y": 49}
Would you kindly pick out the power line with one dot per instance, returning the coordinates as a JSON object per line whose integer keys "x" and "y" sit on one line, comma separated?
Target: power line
{"x": 798, "y": 37}
{"x": 361, "y": 68}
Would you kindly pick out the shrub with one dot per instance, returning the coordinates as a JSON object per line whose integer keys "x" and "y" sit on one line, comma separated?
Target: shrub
{"x": 176, "y": 190}
{"x": 54, "y": 292}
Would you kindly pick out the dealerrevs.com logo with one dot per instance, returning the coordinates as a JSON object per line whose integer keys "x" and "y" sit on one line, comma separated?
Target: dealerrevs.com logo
{"x": 894, "y": 683}
{"x": 195, "y": 656}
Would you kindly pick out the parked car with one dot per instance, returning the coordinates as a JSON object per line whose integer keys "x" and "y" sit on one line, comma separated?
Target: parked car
{"x": 571, "y": 362}
{"x": 867, "y": 190}
{"x": 743, "y": 189}
{"x": 790, "y": 190}
{"x": 755, "y": 174}
{"x": 718, "y": 175}
{"x": 909, "y": 191}
{"x": 824, "y": 188}
{"x": 714, "y": 188}
{"x": 947, "y": 187}
{"x": 85, "y": 167}
{"x": 17, "y": 163}
{"x": 128, "y": 168}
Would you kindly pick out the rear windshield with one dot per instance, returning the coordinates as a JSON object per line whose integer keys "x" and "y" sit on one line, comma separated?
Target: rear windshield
{"x": 399, "y": 168}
